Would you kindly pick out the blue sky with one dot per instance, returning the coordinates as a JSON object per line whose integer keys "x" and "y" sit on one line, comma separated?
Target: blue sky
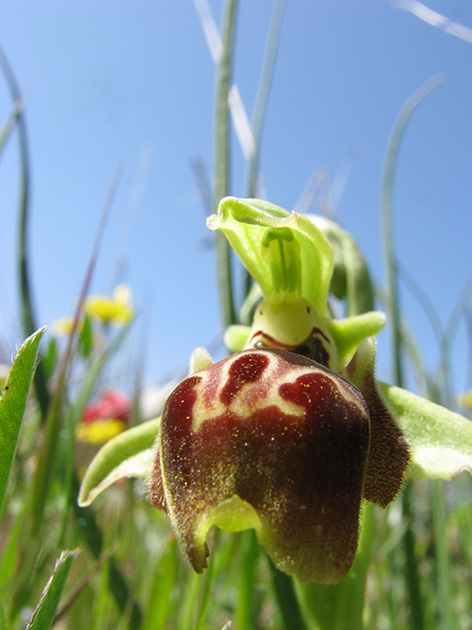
{"x": 114, "y": 82}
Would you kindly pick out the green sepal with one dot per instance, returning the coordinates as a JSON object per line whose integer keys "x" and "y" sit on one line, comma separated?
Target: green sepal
{"x": 127, "y": 455}
{"x": 284, "y": 252}
{"x": 351, "y": 279}
{"x": 440, "y": 440}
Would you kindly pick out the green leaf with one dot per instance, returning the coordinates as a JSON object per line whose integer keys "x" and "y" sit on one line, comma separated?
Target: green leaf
{"x": 441, "y": 440}
{"x": 45, "y": 611}
{"x": 129, "y": 454}
{"x": 283, "y": 252}
{"x": 13, "y": 403}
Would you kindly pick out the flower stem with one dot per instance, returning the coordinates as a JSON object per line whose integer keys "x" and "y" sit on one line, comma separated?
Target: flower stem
{"x": 282, "y": 583}
{"x": 221, "y": 165}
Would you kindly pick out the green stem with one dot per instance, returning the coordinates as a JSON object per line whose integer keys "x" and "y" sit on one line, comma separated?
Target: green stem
{"x": 444, "y": 604}
{"x": 221, "y": 166}
{"x": 245, "y": 610}
{"x": 282, "y": 583}
{"x": 412, "y": 574}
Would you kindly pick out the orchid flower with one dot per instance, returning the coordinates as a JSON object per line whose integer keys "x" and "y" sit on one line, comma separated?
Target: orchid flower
{"x": 291, "y": 433}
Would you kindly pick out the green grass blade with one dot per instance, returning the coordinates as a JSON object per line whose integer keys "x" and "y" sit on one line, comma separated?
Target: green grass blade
{"x": 412, "y": 574}
{"x": 263, "y": 94}
{"x": 387, "y": 215}
{"x": 159, "y": 603}
{"x": 444, "y": 603}
{"x": 46, "y": 467}
{"x": 204, "y": 597}
{"x": 13, "y": 403}
{"x": 10, "y": 124}
{"x": 260, "y": 107}
{"x": 9, "y": 562}
{"x": 29, "y": 320}
{"x": 93, "y": 537}
{"x": 45, "y": 611}
{"x": 221, "y": 163}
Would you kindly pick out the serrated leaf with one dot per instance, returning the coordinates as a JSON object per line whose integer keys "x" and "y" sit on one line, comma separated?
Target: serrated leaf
{"x": 13, "y": 404}
{"x": 129, "y": 454}
{"x": 45, "y": 611}
{"x": 441, "y": 440}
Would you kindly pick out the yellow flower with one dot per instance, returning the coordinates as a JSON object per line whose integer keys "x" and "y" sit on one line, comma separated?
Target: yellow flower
{"x": 63, "y": 326}
{"x": 465, "y": 400}
{"x": 116, "y": 310}
{"x": 99, "y": 431}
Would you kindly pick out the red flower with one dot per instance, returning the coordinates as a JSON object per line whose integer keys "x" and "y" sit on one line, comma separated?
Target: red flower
{"x": 112, "y": 405}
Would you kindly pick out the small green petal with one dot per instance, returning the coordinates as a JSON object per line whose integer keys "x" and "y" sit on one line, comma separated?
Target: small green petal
{"x": 349, "y": 333}
{"x": 235, "y": 337}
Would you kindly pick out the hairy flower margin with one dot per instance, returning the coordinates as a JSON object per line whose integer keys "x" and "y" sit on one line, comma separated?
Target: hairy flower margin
{"x": 292, "y": 432}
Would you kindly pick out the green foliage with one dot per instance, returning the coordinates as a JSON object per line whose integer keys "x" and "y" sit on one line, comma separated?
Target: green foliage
{"x": 415, "y": 556}
{"x": 441, "y": 439}
{"x": 45, "y": 612}
{"x": 13, "y": 404}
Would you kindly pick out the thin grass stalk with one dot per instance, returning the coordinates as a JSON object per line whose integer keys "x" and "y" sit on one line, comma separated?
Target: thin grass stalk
{"x": 116, "y": 581}
{"x": 222, "y": 162}
{"x": 260, "y": 108}
{"x": 387, "y": 193}
{"x": 412, "y": 574}
{"x": 459, "y": 310}
{"x": 46, "y": 460}
{"x": 206, "y": 583}
{"x": 159, "y": 601}
{"x": 27, "y": 313}
{"x": 189, "y": 601}
{"x": 10, "y": 123}
{"x": 44, "y": 472}
{"x": 444, "y": 602}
